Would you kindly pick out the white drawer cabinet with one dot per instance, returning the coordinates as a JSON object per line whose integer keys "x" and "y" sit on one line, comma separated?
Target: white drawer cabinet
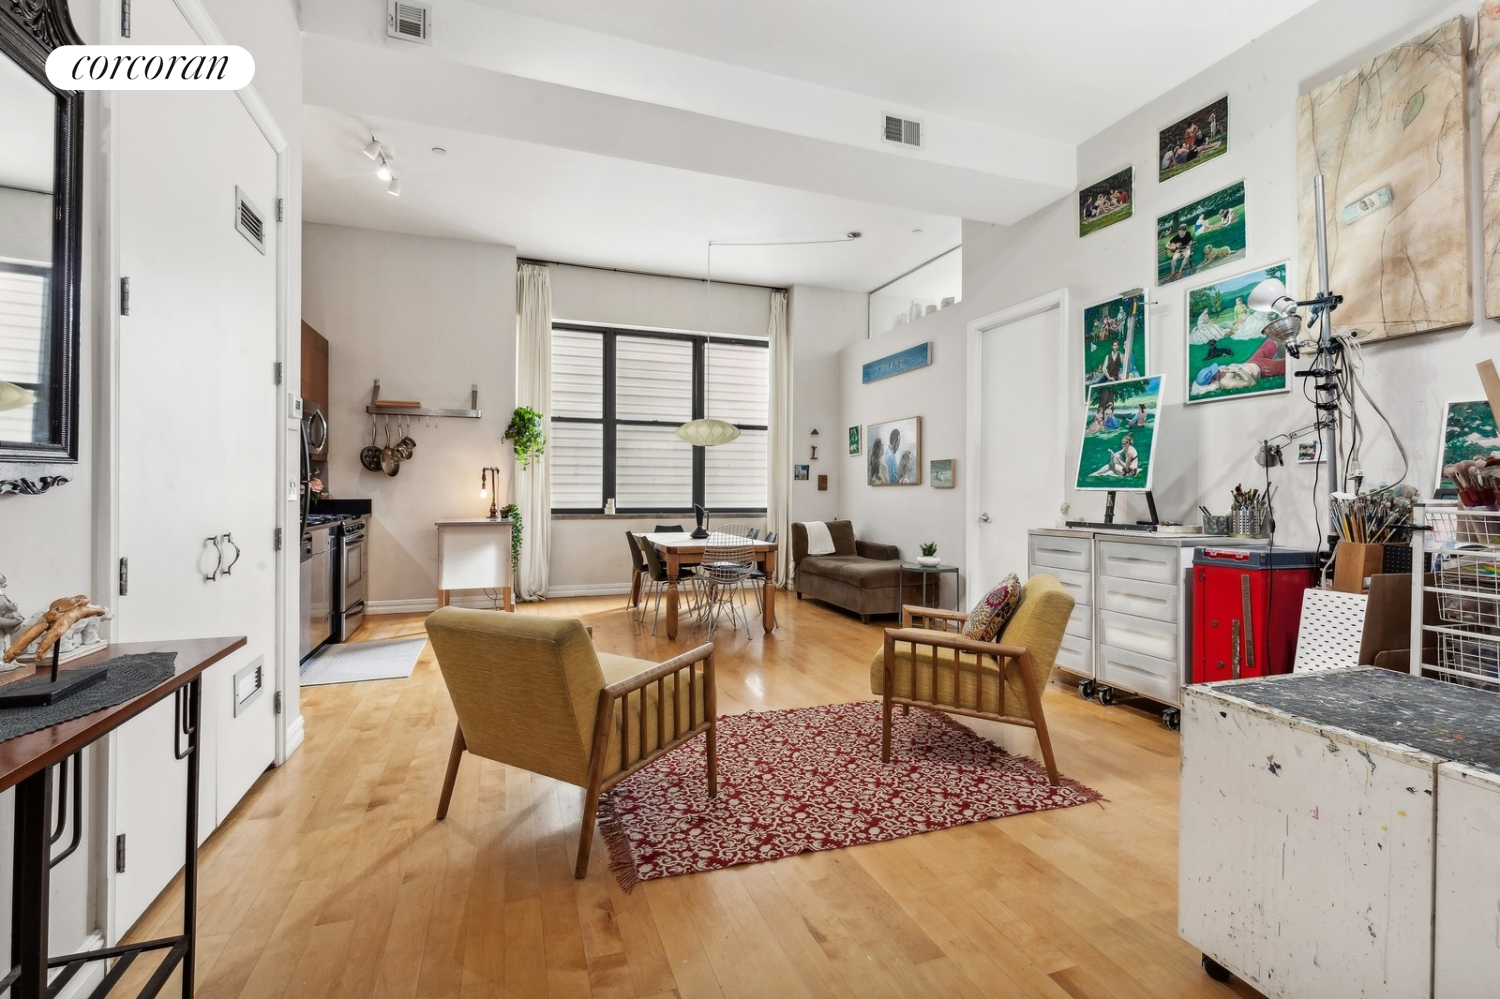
{"x": 1128, "y": 630}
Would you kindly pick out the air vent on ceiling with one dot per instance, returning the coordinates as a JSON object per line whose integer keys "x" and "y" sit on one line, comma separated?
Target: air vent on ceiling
{"x": 903, "y": 132}
{"x": 248, "y": 221}
{"x": 410, "y": 22}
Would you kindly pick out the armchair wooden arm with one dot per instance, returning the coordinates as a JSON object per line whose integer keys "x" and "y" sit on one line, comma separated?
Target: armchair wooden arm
{"x": 912, "y": 612}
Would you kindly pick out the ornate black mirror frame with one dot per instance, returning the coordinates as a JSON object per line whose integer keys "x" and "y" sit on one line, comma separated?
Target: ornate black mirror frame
{"x": 29, "y": 30}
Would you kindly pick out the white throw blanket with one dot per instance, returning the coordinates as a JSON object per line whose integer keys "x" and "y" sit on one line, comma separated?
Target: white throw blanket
{"x": 819, "y": 541}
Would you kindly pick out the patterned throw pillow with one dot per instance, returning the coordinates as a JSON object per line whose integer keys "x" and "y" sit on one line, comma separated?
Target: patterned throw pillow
{"x": 989, "y": 616}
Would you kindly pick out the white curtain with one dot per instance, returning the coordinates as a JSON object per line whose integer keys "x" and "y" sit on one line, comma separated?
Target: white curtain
{"x": 779, "y": 502}
{"x": 534, "y": 389}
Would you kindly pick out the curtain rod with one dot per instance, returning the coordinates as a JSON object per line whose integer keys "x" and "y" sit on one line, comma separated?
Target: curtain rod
{"x": 626, "y": 270}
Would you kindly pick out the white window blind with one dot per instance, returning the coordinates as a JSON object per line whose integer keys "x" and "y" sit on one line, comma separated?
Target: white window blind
{"x": 23, "y": 314}
{"x": 577, "y": 375}
{"x": 653, "y": 379}
{"x": 576, "y": 454}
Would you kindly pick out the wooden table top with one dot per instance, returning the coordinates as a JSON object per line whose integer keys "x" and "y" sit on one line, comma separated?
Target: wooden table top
{"x": 29, "y": 754}
{"x": 685, "y": 543}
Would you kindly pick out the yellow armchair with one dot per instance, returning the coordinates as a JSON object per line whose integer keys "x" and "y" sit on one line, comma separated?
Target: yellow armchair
{"x": 532, "y": 692}
{"x": 927, "y": 662}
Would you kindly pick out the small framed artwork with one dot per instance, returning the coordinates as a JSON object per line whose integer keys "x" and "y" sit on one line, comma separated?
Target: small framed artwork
{"x": 853, "y": 441}
{"x": 1228, "y": 353}
{"x": 1119, "y": 435}
{"x": 1103, "y": 204}
{"x": 942, "y": 473}
{"x": 822, "y": 483}
{"x": 1196, "y": 139}
{"x": 1201, "y": 235}
{"x": 1468, "y": 432}
{"x": 1114, "y": 340}
{"x": 800, "y": 472}
{"x": 894, "y": 457}
{"x": 1310, "y": 452}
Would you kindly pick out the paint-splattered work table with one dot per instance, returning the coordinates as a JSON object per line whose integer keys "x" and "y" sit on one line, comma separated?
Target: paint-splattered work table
{"x": 1341, "y": 834}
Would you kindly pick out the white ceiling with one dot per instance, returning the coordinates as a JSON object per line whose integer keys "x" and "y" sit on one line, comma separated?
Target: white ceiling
{"x": 1060, "y": 70}
{"x": 576, "y": 207}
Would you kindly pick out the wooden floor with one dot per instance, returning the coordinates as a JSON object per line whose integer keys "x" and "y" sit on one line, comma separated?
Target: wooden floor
{"x": 333, "y": 878}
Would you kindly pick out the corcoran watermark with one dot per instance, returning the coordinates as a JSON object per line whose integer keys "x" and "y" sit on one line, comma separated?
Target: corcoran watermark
{"x": 150, "y": 67}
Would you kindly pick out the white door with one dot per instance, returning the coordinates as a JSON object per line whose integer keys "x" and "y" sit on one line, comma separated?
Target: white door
{"x": 1022, "y": 441}
{"x": 198, "y": 439}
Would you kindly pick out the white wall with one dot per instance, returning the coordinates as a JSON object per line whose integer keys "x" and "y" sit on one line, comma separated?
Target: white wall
{"x": 823, "y": 322}
{"x": 428, "y": 318}
{"x": 1003, "y": 266}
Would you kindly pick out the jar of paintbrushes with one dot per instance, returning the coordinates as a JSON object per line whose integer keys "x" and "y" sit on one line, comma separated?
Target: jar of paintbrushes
{"x": 1366, "y": 523}
{"x": 1477, "y": 480}
{"x": 1249, "y": 512}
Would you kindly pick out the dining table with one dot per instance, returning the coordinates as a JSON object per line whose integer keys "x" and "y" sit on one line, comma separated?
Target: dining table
{"x": 680, "y": 550}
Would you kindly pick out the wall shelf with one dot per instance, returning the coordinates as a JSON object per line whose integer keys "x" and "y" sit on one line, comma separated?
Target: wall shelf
{"x": 376, "y": 408}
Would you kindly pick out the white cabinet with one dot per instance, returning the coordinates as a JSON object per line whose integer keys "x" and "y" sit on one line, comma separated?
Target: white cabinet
{"x": 1466, "y": 957}
{"x": 474, "y": 555}
{"x": 1129, "y": 629}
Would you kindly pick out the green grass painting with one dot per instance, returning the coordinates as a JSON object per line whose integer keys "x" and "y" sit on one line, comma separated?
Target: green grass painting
{"x": 1202, "y": 235}
{"x": 1468, "y": 432}
{"x": 1227, "y": 353}
{"x": 1114, "y": 340}
{"x": 1193, "y": 141}
{"x": 1103, "y": 204}
{"x": 1119, "y": 433}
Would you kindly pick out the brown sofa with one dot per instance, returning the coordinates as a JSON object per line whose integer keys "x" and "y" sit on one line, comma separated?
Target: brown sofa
{"x": 860, "y": 576}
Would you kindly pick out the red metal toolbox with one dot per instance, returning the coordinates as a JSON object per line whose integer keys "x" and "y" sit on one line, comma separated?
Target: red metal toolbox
{"x": 1246, "y": 605}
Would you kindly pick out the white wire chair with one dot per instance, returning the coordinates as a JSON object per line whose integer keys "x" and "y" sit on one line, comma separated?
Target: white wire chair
{"x": 728, "y": 563}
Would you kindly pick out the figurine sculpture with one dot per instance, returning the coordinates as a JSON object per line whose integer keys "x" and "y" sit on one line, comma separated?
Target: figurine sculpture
{"x": 69, "y": 623}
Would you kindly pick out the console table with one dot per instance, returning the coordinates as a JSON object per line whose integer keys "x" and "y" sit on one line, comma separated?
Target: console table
{"x": 475, "y": 555}
{"x": 26, "y": 764}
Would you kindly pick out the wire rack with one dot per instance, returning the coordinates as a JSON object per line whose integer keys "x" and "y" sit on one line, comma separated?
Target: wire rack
{"x": 1462, "y": 643}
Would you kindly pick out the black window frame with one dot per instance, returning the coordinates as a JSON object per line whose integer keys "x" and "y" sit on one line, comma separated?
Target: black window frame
{"x": 609, "y": 420}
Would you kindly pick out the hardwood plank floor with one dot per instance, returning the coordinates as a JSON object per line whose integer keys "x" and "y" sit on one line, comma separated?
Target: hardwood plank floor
{"x": 333, "y": 878}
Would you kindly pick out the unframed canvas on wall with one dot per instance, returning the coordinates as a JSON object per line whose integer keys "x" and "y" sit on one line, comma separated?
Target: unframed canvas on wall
{"x": 1391, "y": 140}
{"x": 1103, "y": 204}
{"x": 942, "y": 473}
{"x": 1468, "y": 432}
{"x": 1114, "y": 340}
{"x": 894, "y": 453}
{"x": 1201, "y": 235}
{"x": 1228, "y": 353}
{"x": 1487, "y": 60}
{"x": 1119, "y": 433}
{"x": 1196, "y": 139}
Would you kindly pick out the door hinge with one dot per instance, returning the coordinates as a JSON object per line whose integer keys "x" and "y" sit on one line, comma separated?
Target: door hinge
{"x": 120, "y": 854}
{"x": 280, "y": 209}
{"x": 278, "y": 540}
{"x": 278, "y": 702}
{"x": 280, "y": 371}
{"x": 124, "y": 296}
{"x": 124, "y": 18}
{"x": 124, "y": 577}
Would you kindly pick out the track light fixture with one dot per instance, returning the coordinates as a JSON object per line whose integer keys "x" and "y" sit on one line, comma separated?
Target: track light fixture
{"x": 394, "y": 188}
{"x": 373, "y": 150}
{"x": 384, "y": 170}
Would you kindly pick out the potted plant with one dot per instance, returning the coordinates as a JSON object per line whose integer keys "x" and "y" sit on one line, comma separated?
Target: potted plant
{"x": 513, "y": 513}
{"x": 929, "y": 554}
{"x": 525, "y": 431}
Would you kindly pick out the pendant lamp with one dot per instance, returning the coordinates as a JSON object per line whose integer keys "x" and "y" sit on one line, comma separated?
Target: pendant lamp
{"x": 708, "y": 432}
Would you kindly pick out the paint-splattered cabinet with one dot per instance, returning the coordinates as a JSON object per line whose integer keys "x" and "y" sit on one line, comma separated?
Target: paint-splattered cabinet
{"x": 1327, "y": 836}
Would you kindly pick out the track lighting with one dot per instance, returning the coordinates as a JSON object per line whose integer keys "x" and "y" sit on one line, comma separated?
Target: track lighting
{"x": 384, "y": 171}
{"x": 394, "y": 190}
{"x": 373, "y": 149}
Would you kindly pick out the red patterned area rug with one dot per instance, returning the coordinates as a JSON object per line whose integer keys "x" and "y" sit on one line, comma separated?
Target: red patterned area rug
{"x": 811, "y": 779}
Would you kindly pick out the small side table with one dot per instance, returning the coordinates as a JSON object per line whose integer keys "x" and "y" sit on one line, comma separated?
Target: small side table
{"x": 474, "y": 555}
{"x": 935, "y": 574}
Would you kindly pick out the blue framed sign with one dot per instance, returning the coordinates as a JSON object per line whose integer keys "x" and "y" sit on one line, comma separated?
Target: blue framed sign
{"x": 894, "y": 364}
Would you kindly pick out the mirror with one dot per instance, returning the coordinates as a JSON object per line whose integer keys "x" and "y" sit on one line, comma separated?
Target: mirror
{"x": 40, "y": 131}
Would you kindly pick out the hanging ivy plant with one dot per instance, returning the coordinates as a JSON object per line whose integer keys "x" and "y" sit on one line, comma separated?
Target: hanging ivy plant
{"x": 513, "y": 513}
{"x": 525, "y": 430}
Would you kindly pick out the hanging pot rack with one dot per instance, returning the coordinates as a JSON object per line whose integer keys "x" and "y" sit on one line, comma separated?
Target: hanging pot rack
{"x": 402, "y": 407}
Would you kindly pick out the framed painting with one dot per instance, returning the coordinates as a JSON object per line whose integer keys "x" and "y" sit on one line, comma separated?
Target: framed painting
{"x": 1114, "y": 340}
{"x": 1201, "y": 235}
{"x": 1468, "y": 432}
{"x": 894, "y": 453}
{"x": 800, "y": 472}
{"x": 854, "y": 441}
{"x": 1119, "y": 432}
{"x": 941, "y": 473}
{"x": 1103, "y": 204}
{"x": 1193, "y": 141}
{"x": 1228, "y": 353}
{"x": 898, "y": 363}
{"x": 1310, "y": 452}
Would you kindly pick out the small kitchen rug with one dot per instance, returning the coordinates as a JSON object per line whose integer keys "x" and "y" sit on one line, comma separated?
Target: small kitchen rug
{"x": 811, "y": 779}
{"x": 355, "y": 661}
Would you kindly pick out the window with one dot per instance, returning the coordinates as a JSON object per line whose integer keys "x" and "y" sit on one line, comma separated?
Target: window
{"x": 24, "y": 318}
{"x": 618, "y": 397}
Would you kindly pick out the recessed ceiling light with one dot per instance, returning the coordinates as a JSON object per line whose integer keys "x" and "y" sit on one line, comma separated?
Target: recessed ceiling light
{"x": 916, "y": 232}
{"x": 439, "y": 151}
{"x": 853, "y": 235}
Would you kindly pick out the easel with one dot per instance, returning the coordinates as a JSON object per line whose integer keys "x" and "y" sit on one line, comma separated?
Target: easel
{"x": 1109, "y": 516}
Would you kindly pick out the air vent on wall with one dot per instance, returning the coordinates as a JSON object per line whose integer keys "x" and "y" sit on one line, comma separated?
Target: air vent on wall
{"x": 903, "y": 132}
{"x": 410, "y": 22}
{"x": 248, "y": 221}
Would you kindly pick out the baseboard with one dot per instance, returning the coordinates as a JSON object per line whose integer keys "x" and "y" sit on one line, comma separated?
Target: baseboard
{"x": 589, "y": 590}
{"x": 92, "y": 974}
{"x": 295, "y": 732}
{"x": 429, "y": 605}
